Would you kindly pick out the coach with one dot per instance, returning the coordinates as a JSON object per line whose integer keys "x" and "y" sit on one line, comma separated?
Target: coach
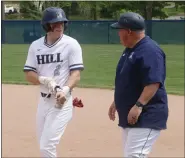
{"x": 140, "y": 98}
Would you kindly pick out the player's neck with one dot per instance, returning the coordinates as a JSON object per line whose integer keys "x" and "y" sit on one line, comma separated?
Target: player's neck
{"x": 51, "y": 39}
{"x": 136, "y": 40}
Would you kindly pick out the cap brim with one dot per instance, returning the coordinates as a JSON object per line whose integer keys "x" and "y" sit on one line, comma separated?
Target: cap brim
{"x": 116, "y": 26}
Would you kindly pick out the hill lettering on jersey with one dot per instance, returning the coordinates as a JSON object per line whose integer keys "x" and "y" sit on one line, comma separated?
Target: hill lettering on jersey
{"x": 49, "y": 58}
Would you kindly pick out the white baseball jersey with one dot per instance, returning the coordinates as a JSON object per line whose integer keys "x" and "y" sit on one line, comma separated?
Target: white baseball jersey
{"x": 56, "y": 60}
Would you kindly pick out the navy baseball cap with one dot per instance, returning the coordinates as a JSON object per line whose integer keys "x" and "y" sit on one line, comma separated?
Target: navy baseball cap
{"x": 130, "y": 20}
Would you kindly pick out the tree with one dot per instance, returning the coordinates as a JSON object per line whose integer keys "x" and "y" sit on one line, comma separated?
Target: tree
{"x": 150, "y": 9}
{"x": 29, "y": 10}
{"x": 179, "y": 4}
{"x": 97, "y": 9}
{"x": 2, "y": 10}
{"x": 39, "y": 4}
{"x": 113, "y": 9}
{"x": 33, "y": 9}
{"x": 65, "y": 5}
{"x": 87, "y": 8}
{"x": 90, "y": 9}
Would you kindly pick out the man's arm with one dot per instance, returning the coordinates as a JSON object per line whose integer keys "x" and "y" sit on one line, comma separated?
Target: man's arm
{"x": 74, "y": 79}
{"x": 148, "y": 92}
{"x": 32, "y": 77}
{"x": 113, "y": 103}
{"x": 75, "y": 67}
{"x": 30, "y": 71}
{"x": 153, "y": 75}
{"x": 35, "y": 79}
{"x": 30, "y": 67}
{"x": 72, "y": 82}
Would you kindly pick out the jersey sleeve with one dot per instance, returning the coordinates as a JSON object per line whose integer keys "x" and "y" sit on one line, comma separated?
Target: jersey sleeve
{"x": 75, "y": 57}
{"x": 153, "y": 68}
{"x": 30, "y": 64}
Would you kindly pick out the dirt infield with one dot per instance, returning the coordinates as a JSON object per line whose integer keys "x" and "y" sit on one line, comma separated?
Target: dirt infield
{"x": 89, "y": 134}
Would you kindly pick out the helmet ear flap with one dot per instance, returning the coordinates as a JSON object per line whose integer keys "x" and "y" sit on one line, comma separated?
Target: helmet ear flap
{"x": 65, "y": 26}
{"x": 47, "y": 27}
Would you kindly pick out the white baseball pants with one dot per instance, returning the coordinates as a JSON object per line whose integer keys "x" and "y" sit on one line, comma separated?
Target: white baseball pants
{"x": 51, "y": 124}
{"x": 138, "y": 142}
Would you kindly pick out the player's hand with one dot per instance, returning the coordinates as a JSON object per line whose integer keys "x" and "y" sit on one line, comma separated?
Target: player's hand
{"x": 134, "y": 114}
{"x": 49, "y": 83}
{"x": 60, "y": 98}
{"x": 61, "y": 94}
{"x": 44, "y": 80}
{"x": 112, "y": 112}
{"x": 51, "y": 86}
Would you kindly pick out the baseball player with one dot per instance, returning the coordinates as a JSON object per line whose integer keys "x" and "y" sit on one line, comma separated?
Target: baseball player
{"x": 54, "y": 62}
{"x": 140, "y": 98}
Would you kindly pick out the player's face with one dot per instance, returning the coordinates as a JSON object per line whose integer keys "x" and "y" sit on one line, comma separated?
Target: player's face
{"x": 125, "y": 37}
{"x": 57, "y": 28}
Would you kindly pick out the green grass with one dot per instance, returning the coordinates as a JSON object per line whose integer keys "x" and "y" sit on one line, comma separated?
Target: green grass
{"x": 174, "y": 12}
{"x": 100, "y": 63}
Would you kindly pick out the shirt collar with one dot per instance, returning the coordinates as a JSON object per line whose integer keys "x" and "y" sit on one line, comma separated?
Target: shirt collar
{"x": 143, "y": 40}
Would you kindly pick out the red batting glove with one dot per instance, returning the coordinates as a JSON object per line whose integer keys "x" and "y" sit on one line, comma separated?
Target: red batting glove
{"x": 77, "y": 103}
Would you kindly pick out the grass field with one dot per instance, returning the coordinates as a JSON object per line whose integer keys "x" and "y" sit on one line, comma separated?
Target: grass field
{"x": 100, "y": 64}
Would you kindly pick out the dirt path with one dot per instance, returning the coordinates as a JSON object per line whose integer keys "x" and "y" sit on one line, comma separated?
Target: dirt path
{"x": 89, "y": 134}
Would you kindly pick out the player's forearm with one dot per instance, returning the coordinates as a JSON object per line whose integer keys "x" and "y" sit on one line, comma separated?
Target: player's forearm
{"x": 113, "y": 103}
{"x": 73, "y": 80}
{"x": 32, "y": 77}
{"x": 148, "y": 92}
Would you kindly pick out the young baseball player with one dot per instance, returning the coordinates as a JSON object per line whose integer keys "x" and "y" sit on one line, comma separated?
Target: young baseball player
{"x": 54, "y": 62}
{"x": 140, "y": 96}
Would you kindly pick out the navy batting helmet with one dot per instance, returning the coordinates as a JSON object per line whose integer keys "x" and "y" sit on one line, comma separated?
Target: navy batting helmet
{"x": 130, "y": 20}
{"x": 53, "y": 15}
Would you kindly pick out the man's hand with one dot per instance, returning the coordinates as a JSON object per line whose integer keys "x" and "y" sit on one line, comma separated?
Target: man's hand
{"x": 134, "y": 114}
{"x": 61, "y": 94}
{"x": 51, "y": 86}
{"x": 60, "y": 98}
{"x": 112, "y": 111}
{"x": 49, "y": 83}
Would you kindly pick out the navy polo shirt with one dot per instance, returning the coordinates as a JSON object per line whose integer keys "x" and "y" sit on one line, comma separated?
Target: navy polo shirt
{"x": 138, "y": 67}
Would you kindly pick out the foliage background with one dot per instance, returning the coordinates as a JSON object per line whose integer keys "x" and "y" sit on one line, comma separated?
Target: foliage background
{"x": 98, "y": 10}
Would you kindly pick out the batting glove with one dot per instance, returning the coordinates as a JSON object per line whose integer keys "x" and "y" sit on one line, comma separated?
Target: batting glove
{"x": 49, "y": 83}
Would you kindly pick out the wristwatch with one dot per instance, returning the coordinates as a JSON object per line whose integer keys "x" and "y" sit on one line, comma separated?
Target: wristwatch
{"x": 139, "y": 104}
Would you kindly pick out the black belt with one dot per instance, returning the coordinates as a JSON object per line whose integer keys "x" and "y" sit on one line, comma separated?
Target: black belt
{"x": 44, "y": 95}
